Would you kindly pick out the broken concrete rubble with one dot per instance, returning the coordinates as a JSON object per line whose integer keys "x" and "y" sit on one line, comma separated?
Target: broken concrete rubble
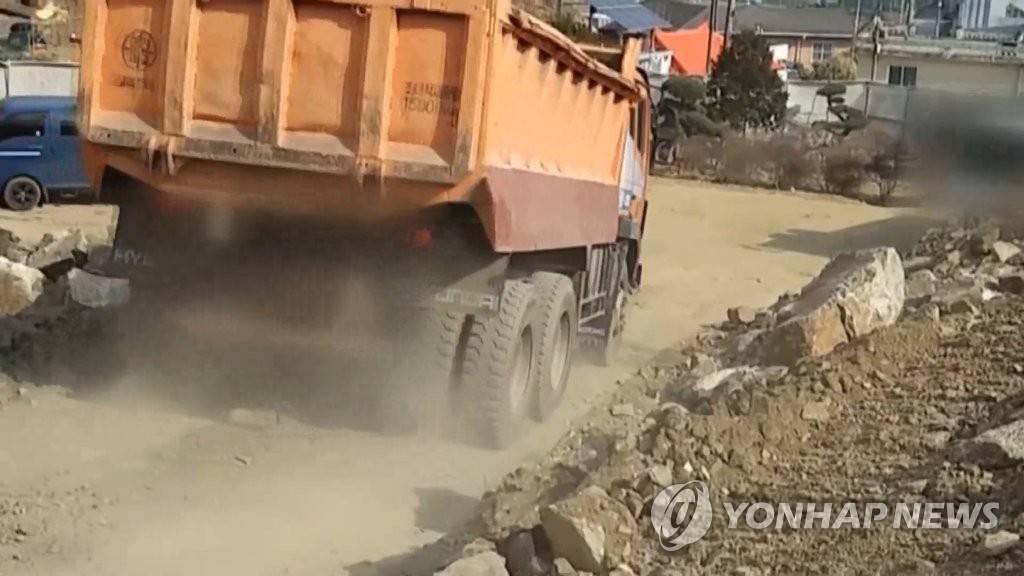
{"x": 739, "y": 374}
{"x": 1012, "y": 283}
{"x": 702, "y": 364}
{"x": 65, "y": 245}
{"x": 93, "y": 291}
{"x": 20, "y": 286}
{"x": 999, "y": 543}
{"x": 1005, "y": 251}
{"x": 483, "y": 564}
{"x": 742, "y": 315}
{"x": 12, "y": 248}
{"x": 999, "y": 447}
{"x": 921, "y": 284}
{"x": 891, "y": 402}
{"x": 984, "y": 239}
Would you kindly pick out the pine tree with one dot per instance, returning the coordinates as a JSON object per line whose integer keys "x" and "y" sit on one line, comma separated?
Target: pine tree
{"x": 745, "y": 92}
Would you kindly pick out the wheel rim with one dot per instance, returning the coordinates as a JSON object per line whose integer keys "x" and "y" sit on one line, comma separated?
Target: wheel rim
{"x": 22, "y": 194}
{"x": 560, "y": 358}
{"x": 519, "y": 379}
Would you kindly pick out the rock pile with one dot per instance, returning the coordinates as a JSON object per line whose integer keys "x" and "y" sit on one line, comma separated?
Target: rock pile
{"x": 955, "y": 269}
{"x": 824, "y": 396}
{"x": 44, "y": 294}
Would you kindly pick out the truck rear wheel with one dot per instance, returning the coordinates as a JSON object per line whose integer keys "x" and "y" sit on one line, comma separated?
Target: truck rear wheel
{"x": 496, "y": 370}
{"x": 421, "y": 397}
{"x": 556, "y": 321}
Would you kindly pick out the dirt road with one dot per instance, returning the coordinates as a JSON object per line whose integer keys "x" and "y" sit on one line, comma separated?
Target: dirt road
{"x": 117, "y": 487}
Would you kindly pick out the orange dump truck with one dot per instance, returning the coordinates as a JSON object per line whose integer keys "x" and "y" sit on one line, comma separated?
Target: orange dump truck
{"x": 480, "y": 174}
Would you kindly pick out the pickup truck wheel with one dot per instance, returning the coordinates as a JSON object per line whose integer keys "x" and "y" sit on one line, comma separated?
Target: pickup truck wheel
{"x": 556, "y": 322}
{"x": 497, "y": 367}
{"x": 22, "y": 193}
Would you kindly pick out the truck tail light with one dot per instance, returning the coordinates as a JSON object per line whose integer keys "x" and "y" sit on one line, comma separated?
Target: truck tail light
{"x": 421, "y": 238}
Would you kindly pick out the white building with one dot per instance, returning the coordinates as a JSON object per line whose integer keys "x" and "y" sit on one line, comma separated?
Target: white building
{"x": 975, "y": 14}
{"x": 944, "y": 64}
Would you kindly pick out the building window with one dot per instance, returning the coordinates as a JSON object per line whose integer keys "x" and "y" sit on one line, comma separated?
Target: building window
{"x": 903, "y": 75}
{"x": 821, "y": 51}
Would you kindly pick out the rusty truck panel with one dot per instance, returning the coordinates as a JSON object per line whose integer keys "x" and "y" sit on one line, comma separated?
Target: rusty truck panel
{"x": 361, "y": 109}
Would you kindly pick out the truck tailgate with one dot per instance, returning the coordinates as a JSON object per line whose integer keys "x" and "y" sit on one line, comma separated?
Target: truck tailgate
{"x": 382, "y": 87}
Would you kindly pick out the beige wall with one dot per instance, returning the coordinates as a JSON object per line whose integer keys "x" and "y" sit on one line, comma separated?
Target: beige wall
{"x": 954, "y": 76}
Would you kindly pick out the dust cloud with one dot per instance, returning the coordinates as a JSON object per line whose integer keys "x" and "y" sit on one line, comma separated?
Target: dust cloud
{"x": 305, "y": 319}
{"x": 967, "y": 150}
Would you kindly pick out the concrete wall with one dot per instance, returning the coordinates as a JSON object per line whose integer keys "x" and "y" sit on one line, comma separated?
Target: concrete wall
{"x": 953, "y": 76}
{"x": 892, "y": 105}
{"x": 814, "y": 107}
{"x": 38, "y": 79}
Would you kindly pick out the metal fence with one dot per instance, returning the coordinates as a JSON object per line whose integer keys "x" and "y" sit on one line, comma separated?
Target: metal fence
{"x": 890, "y": 104}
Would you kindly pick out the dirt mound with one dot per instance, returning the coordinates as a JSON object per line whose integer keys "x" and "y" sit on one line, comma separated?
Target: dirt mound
{"x": 929, "y": 410}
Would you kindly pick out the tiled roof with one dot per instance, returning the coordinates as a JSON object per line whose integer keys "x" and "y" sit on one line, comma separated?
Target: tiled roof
{"x": 794, "y": 21}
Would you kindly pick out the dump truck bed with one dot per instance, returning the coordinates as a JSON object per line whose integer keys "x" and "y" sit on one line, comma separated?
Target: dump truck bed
{"x": 361, "y": 109}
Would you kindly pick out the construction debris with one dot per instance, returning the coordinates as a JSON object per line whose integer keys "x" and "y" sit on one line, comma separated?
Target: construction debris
{"x": 53, "y": 248}
{"x": 483, "y": 564}
{"x": 45, "y": 299}
{"x": 1000, "y": 447}
{"x": 999, "y": 543}
{"x": 861, "y": 388}
{"x": 20, "y": 287}
{"x": 591, "y": 530}
{"x": 93, "y": 291}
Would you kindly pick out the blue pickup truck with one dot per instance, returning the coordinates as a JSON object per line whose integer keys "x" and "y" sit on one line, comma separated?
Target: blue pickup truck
{"x": 40, "y": 157}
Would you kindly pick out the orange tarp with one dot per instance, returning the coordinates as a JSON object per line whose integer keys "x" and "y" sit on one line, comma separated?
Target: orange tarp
{"x": 689, "y": 48}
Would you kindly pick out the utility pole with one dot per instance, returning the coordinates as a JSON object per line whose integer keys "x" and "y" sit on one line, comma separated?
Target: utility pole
{"x": 856, "y": 28}
{"x": 938, "y": 18}
{"x": 730, "y": 9}
{"x": 856, "y": 31}
{"x": 712, "y": 19}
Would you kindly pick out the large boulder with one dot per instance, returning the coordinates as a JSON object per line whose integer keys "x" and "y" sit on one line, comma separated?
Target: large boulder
{"x": 591, "y": 530}
{"x": 855, "y": 294}
{"x": 20, "y": 287}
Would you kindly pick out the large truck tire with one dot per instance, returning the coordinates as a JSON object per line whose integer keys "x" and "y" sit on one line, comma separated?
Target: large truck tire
{"x": 556, "y": 322}
{"x": 496, "y": 370}
{"x": 421, "y": 397}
